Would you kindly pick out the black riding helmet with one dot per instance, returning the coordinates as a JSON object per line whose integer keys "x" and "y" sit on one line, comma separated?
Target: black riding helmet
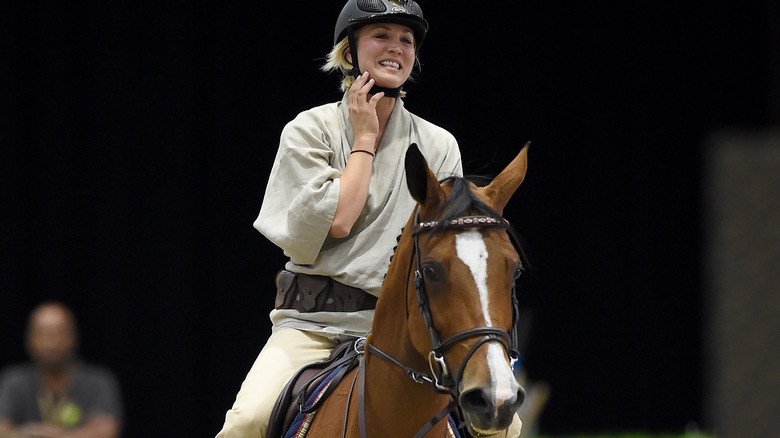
{"x": 357, "y": 13}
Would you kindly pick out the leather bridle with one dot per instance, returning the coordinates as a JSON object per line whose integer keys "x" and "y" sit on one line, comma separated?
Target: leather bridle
{"x": 444, "y": 381}
{"x": 441, "y": 378}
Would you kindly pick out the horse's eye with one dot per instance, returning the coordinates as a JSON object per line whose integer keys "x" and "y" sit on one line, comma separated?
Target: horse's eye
{"x": 429, "y": 273}
{"x": 518, "y": 272}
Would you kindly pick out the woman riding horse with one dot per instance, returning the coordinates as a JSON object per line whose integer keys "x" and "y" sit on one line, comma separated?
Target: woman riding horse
{"x": 447, "y": 305}
{"x": 336, "y": 200}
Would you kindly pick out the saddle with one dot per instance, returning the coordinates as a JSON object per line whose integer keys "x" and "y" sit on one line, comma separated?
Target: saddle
{"x": 310, "y": 380}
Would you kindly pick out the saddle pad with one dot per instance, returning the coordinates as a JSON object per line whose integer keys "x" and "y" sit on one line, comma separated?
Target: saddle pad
{"x": 452, "y": 428}
{"x": 286, "y": 407}
{"x": 302, "y": 421}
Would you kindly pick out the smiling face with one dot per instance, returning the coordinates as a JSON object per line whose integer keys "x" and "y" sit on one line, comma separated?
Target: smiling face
{"x": 387, "y": 52}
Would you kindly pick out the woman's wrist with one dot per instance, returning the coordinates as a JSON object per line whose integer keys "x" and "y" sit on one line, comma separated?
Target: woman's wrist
{"x": 365, "y": 142}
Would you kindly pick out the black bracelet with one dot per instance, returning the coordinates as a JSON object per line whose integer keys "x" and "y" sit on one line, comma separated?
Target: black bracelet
{"x": 364, "y": 151}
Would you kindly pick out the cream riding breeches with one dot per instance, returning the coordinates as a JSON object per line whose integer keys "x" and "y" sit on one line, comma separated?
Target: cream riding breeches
{"x": 286, "y": 351}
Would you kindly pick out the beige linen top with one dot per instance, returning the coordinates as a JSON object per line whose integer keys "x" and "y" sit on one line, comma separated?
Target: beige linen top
{"x": 303, "y": 191}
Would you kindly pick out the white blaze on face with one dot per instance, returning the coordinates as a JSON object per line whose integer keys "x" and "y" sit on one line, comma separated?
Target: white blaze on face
{"x": 472, "y": 251}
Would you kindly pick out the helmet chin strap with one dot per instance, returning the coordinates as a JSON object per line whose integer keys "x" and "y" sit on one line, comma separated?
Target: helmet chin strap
{"x": 389, "y": 92}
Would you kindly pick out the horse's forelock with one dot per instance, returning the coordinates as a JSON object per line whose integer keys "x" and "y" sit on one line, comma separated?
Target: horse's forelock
{"x": 462, "y": 201}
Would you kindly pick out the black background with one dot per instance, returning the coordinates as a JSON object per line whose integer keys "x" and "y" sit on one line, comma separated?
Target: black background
{"x": 139, "y": 137}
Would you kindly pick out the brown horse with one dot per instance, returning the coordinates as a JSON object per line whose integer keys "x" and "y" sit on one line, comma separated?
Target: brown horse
{"x": 444, "y": 318}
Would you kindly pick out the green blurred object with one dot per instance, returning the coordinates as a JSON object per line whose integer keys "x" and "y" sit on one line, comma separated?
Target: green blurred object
{"x": 69, "y": 415}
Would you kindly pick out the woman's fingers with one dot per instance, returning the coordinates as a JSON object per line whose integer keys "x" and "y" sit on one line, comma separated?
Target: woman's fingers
{"x": 360, "y": 83}
{"x": 362, "y": 107}
{"x": 375, "y": 99}
{"x": 359, "y": 96}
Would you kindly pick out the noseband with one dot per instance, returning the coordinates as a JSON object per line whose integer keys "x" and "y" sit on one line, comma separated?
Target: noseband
{"x": 442, "y": 380}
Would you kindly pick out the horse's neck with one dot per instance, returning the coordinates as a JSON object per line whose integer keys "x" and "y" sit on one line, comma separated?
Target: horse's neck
{"x": 390, "y": 332}
{"x": 389, "y": 389}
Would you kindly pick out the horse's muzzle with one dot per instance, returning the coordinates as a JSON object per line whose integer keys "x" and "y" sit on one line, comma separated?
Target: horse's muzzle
{"x": 484, "y": 414}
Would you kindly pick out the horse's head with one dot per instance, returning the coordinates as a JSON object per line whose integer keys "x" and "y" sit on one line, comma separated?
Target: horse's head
{"x": 466, "y": 267}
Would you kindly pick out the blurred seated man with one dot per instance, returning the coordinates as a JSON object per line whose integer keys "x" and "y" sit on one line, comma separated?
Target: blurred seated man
{"x": 57, "y": 395}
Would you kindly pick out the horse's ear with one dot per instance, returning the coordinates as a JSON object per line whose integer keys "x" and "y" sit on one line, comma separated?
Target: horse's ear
{"x": 504, "y": 185}
{"x": 422, "y": 183}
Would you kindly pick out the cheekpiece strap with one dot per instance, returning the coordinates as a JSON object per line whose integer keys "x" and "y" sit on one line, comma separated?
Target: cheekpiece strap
{"x": 464, "y": 222}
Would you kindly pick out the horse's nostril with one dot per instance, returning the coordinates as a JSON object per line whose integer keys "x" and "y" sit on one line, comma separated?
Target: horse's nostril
{"x": 476, "y": 401}
{"x": 520, "y": 395}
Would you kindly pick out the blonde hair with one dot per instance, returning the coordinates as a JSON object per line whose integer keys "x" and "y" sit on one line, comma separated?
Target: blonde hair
{"x": 337, "y": 61}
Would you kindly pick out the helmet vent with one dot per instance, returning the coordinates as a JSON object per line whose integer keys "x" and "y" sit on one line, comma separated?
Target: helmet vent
{"x": 374, "y": 6}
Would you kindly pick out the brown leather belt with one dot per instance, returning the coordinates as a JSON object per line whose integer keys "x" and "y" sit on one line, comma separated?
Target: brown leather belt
{"x": 317, "y": 293}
